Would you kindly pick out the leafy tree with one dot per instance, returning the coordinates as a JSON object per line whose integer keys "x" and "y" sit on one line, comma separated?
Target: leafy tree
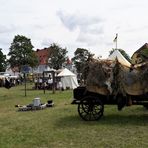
{"x": 57, "y": 56}
{"x": 33, "y": 60}
{"x": 2, "y": 61}
{"x": 144, "y": 52}
{"x": 81, "y": 57}
{"x": 122, "y": 52}
{"x": 21, "y": 53}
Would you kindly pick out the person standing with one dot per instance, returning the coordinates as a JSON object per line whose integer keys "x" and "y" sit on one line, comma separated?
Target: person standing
{"x": 40, "y": 83}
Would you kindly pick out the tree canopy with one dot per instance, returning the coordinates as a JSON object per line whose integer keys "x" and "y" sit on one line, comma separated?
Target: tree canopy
{"x": 122, "y": 52}
{"x": 81, "y": 57}
{"x": 21, "y": 52}
{"x": 57, "y": 56}
{"x": 2, "y": 61}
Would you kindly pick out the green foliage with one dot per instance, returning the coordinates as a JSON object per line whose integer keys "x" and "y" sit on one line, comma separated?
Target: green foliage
{"x": 2, "y": 61}
{"x": 61, "y": 127}
{"x": 57, "y": 56}
{"x": 144, "y": 52}
{"x": 81, "y": 57}
{"x": 122, "y": 52}
{"x": 33, "y": 59}
{"x": 21, "y": 52}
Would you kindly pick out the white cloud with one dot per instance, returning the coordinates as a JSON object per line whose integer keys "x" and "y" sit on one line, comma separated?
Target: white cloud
{"x": 72, "y": 23}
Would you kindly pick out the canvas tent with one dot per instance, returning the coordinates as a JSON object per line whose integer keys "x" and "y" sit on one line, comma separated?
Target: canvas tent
{"x": 68, "y": 79}
{"x": 117, "y": 55}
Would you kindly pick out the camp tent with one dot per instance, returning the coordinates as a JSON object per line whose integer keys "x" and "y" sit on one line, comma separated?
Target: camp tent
{"x": 117, "y": 55}
{"x": 68, "y": 79}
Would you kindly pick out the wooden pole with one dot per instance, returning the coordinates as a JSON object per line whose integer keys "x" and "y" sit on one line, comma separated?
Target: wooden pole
{"x": 44, "y": 81}
{"x": 53, "y": 85}
{"x": 25, "y": 84}
{"x": 116, "y": 40}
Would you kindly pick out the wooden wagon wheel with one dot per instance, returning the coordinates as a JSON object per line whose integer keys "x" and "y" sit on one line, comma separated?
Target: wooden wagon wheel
{"x": 145, "y": 106}
{"x": 90, "y": 108}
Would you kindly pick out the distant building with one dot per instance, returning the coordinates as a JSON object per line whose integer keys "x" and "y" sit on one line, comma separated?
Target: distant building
{"x": 69, "y": 65}
{"x": 141, "y": 55}
{"x": 43, "y": 56}
{"x": 12, "y": 71}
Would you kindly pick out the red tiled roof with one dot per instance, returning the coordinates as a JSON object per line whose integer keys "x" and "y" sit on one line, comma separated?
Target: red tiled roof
{"x": 68, "y": 61}
{"x": 43, "y": 55}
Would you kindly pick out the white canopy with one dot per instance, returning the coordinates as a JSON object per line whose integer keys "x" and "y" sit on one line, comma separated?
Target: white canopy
{"x": 68, "y": 79}
{"x": 117, "y": 55}
{"x": 66, "y": 72}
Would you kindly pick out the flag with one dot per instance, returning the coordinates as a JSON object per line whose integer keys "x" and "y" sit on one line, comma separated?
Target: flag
{"x": 115, "y": 39}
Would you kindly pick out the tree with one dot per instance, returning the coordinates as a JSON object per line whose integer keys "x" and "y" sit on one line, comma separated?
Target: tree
{"x": 57, "y": 56}
{"x": 122, "y": 52}
{"x": 81, "y": 57}
{"x": 21, "y": 53}
{"x": 2, "y": 61}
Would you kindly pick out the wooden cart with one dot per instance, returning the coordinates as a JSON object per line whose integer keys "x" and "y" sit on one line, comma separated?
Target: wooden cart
{"x": 91, "y": 104}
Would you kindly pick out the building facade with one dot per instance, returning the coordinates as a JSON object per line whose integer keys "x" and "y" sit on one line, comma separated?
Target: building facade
{"x": 43, "y": 56}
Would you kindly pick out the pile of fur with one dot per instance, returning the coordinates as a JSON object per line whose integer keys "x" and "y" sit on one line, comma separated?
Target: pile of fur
{"x": 110, "y": 77}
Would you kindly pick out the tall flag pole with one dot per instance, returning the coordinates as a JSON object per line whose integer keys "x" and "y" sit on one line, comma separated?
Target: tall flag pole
{"x": 115, "y": 40}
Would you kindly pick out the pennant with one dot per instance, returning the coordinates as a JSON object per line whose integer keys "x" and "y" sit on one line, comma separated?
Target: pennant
{"x": 115, "y": 39}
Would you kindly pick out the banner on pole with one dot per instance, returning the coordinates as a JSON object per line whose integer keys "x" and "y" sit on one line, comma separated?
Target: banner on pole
{"x": 115, "y": 39}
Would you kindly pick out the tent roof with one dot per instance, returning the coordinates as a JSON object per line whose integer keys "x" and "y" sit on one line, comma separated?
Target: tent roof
{"x": 66, "y": 72}
{"x": 145, "y": 46}
{"x": 142, "y": 51}
{"x": 120, "y": 57}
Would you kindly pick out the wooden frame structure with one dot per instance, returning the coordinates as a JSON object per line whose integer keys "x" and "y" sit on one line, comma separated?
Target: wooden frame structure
{"x": 53, "y": 76}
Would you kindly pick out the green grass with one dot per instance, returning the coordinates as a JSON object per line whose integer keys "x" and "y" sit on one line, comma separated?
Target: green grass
{"x": 61, "y": 127}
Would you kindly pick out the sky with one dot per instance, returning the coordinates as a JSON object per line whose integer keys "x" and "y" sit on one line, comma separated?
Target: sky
{"x": 72, "y": 24}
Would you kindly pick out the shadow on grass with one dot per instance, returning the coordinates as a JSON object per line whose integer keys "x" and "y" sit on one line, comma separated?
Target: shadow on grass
{"x": 31, "y": 89}
{"x": 110, "y": 120}
{"x": 71, "y": 122}
{"x": 131, "y": 119}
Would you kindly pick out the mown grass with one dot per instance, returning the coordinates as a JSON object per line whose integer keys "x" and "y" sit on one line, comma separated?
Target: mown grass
{"x": 61, "y": 127}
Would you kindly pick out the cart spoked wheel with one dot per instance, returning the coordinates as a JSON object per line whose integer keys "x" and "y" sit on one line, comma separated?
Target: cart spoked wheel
{"x": 90, "y": 108}
{"x": 145, "y": 106}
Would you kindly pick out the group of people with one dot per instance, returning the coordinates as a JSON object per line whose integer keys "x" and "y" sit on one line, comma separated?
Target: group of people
{"x": 41, "y": 84}
{"x": 47, "y": 83}
{"x": 8, "y": 82}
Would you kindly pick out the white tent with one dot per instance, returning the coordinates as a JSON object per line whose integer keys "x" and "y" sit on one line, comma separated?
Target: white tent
{"x": 117, "y": 55}
{"x": 68, "y": 79}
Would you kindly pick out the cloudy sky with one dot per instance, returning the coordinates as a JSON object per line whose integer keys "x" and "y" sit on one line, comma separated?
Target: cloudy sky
{"x": 90, "y": 24}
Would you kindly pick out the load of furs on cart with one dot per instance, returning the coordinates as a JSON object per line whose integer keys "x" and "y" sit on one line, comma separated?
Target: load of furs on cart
{"x": 111, "y": 82}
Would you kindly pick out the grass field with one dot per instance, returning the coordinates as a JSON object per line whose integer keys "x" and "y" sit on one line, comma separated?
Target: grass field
{"x": 61, "y": 127}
